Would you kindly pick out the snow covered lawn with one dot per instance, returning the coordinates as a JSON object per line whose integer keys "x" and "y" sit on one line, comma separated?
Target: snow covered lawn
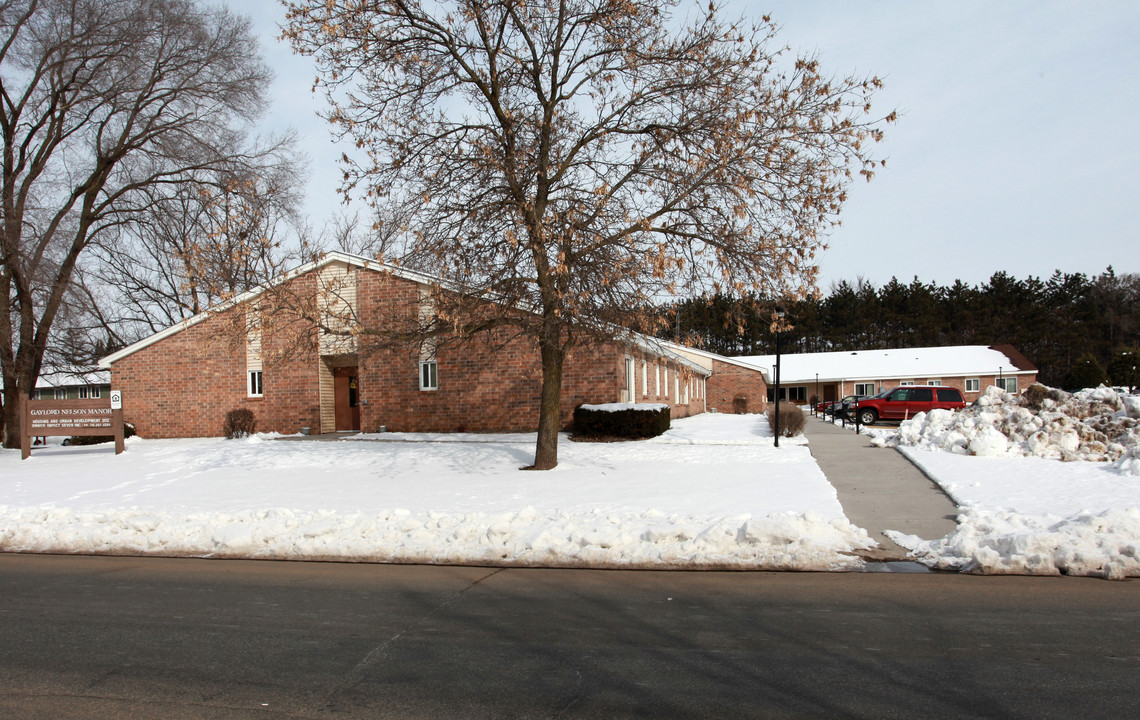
{"x": 711, "y": 493}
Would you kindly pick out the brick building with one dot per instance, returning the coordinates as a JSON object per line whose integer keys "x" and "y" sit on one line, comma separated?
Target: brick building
{"x": 328, "y": 376}
{"x": 832, "y": 375}
{"x": 734, "y": 386}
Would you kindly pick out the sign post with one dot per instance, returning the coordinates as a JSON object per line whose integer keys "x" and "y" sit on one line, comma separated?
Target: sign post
{"x": 41, "y": 418}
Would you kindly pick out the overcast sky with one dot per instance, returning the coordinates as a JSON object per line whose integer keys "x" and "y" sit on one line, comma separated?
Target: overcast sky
{"x": 1017, "y": 147}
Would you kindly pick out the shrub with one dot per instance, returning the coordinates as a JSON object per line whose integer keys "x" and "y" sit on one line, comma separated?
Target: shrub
{"x": 620, "y": 421}
{"x": 240, "y": 423}
{"x": 792, "y": 419}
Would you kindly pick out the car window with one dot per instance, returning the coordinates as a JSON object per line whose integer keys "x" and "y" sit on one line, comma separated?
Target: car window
{"x": 898, "y": 395}
{"x": 921, "y": 395}
{"x": 949, "y": 395}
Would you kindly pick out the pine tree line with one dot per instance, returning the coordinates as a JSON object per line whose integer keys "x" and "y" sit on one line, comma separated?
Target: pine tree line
{"x": 1078, "y": 330}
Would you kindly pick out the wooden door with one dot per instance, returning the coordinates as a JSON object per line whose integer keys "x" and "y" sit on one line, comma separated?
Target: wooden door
{"x": 345, "y": 399}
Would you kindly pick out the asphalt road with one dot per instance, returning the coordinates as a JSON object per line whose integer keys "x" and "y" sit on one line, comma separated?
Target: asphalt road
{"x": 97, "y": 637}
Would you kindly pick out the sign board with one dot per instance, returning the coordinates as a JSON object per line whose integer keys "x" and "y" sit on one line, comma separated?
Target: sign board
{"x": 116, "y": 399}
{"x": 40, "y": 418}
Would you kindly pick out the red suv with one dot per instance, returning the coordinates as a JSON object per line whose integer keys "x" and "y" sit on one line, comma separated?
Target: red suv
{"x": 907, "y": 401}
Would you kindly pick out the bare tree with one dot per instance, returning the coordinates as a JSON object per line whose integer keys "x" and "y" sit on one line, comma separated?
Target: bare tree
{"x": 103, "y": 102}
{"x": 578, "y": 159}
{"x": 196, "y": 245}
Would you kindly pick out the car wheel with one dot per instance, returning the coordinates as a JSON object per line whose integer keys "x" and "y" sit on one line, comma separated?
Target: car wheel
{"x": 868, "y": 417}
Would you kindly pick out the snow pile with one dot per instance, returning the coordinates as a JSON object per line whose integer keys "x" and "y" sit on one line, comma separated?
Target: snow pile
{"x": 618, "y": 407}
{"x": 711, "y": 492}
{"x": 1031, "y": 515}
{"x": 1094, "y": 425}
{"x": 528, "y": 537}
{"x": 1104, "y": 544}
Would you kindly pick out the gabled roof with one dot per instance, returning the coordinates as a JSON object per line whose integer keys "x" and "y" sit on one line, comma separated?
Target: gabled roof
{"x": 647, "y": 344}
{"x": 929, "y": 362}
{"x": 327, "y": 259}
{"x": 737, "y": 361}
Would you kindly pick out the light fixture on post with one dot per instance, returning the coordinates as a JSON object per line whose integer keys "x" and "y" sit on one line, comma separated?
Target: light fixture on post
{"x": 779, "y": 322}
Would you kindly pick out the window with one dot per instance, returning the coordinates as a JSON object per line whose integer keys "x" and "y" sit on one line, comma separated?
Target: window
{"x": 864, "y": 388}
{"x": 83, "y": 392}
{"x": 1008, "y": 384}
{"x": 96, "y": 391}
{"x": 629, "y": 381}
{"x": 61, "y": 393}
{"x": 429, "y": 375}
{"x": 798, "y": 393}
{"x": 644, "y": 378}
{"x": 934, "y": 382}
{"x": 657, "y": 375}
{"x": 921, "y": 395}
{"x": 255, "y": 387}
{"x": 949, "y": 395}
{"x": 906, "y": 382}
{"x": 42, "y": 394}
{"x": 973, "y": 384}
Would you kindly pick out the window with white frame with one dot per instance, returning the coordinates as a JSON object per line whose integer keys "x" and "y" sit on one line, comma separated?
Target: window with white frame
{"x": 906, "y": 382}
{"x": 61, "y": 393}
{"x": 255, "y": 384}
{"x": 1008, "y": 384}
{"x": 973, "y": 384}
{"x": 644, "y": 378}
{"x": 83, "y": 392}
{"x": 864, "y": 388}
{"x": 657, "y": 381}
{"x": 629, "y": 380}
{"x": 429, "y": 375}
{"x": 934, "y": 382}
{"x": 96, "y": 391}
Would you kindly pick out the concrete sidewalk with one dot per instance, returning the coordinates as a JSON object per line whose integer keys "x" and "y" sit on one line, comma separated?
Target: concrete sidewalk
{"x": 879, "y": 488}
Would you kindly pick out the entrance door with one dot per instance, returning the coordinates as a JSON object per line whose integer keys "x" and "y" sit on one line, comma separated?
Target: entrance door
{"x": 345, "y": 399}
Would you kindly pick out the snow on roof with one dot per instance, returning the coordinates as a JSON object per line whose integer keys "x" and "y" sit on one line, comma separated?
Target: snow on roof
{"x": 69, "y": 378}
{"x": 929, "y": 362}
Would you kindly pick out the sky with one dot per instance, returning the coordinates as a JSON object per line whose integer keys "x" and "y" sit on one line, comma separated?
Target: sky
{"x": 1015, "y": 149}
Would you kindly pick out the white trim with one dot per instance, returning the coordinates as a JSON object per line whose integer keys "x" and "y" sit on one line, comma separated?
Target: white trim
{"x": 255, "y": 383}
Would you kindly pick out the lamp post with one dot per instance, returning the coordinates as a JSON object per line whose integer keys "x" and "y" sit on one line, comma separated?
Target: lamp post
{"x": 779, "y": 321}
{"x": 815, "y": 404}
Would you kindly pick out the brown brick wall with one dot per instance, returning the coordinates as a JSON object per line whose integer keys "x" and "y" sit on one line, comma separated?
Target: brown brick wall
{"x": 732, "y": 387}
{"x": 183, "y": 385}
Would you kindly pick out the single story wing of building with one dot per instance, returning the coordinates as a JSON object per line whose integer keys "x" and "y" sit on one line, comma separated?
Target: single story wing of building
{"x": 830, "y": 376}
{"x": 313, "y": 364}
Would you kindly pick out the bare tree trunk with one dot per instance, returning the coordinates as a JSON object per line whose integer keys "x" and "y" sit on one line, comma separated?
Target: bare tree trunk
{"x": 11, "y": 420}
{"x": 550, "y": 411}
